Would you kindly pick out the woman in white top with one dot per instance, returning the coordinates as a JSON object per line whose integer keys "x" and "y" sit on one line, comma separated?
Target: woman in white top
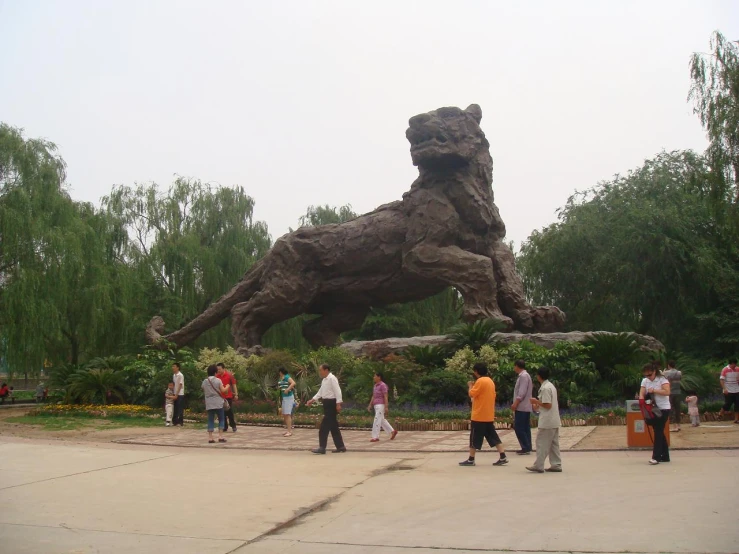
{"x": 656, "y": 387}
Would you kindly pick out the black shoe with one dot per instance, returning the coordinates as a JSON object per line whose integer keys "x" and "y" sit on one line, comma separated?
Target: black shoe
{"x": 319, "y": 451}
{"x": 501, "y": 462}
{"x": 233, "y": 430}
{"x": 339, "y": 450}
{"x": 523, "y": 452}
{"x": 467, "y": 463}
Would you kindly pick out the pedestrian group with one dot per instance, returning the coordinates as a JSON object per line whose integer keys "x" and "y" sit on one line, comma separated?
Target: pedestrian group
{"x": 661, "y": 389}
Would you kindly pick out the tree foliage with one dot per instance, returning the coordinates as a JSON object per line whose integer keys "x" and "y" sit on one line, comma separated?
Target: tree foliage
{"x": 641, "y": 252}
{"x": 715, "y": 94}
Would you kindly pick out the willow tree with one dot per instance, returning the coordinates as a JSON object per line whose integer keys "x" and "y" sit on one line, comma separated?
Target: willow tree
{"x": 186, "y": 247}
{"x": 52, "y": 280}
{"x": 715, "y": 94}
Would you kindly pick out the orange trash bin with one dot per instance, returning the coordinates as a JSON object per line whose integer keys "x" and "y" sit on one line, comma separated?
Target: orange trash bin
{"x": 638, "y": 433}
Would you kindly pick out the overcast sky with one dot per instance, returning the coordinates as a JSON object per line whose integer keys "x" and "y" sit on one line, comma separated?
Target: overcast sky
{"x": 307, "y": 102}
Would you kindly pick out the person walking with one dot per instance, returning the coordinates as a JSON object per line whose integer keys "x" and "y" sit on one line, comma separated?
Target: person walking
{"x": 655, "y": 387}
{"x": 482, "y": 426}
{"x": 521, "y": 407}
{"x": 547, "y": 434}
{"x": 179, "y": 389}
{"x": 379, "y": 402}
{"x": 330, "y": 395}
{"x": 730, "y": 387}
{"x": 215, "y": 392}
{"x": 674, "y": 376}
{"x": 231, "y": 396}
{"x": 287, "y": 395}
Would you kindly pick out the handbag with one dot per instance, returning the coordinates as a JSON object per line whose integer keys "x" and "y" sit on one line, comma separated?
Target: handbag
{"x": 649, "y": 411}
{"x": 226, "y": 405}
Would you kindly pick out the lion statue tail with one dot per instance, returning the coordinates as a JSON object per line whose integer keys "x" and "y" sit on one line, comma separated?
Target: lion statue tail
{"x": 212, "y": 316}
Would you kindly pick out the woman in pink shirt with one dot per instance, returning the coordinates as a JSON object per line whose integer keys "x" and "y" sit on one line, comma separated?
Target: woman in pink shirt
{"x": 379, "y": 403}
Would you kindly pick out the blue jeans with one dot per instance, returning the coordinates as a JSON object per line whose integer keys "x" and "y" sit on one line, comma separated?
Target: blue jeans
{"x": 522, "y": 427}
{"x": 212, "y": 417}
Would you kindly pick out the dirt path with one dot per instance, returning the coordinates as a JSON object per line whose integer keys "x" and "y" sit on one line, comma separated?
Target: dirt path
{"x": 708, "y": 435}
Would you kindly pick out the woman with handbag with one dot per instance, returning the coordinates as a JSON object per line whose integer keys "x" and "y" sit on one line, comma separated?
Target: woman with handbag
{"x": 215, "y": 402}
{"x": 656, "y": 388}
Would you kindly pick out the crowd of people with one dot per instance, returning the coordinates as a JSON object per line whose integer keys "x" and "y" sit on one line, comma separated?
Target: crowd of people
{"x": 660, "y": 389}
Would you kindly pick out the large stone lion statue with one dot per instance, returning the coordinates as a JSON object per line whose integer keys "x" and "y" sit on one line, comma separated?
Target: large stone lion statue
{"x": 445, "y": 232}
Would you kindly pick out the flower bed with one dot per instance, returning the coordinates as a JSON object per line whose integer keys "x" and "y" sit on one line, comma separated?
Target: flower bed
{"x": 96, "y": 410}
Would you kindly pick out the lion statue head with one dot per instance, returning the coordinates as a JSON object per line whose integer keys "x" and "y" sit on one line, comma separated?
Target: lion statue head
{"x": 447, "y": 137}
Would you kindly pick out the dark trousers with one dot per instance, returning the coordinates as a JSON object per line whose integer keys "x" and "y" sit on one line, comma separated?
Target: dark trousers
{"x": 179, "y": 410}
{"x": 660, "y": 452}
{"x": 676, "y": 408}
{"x": 329, "y": 424}
{"x": 522, "y": 427}
{"x": 229, "y": 419}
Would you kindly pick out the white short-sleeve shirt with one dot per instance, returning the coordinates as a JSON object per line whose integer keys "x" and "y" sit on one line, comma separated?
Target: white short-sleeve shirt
{"x": 178, "y": 378}
{"x": 663, "y": 402}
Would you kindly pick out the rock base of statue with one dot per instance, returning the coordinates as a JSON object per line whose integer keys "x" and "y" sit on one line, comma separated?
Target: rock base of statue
{"x": 378, "y": 349}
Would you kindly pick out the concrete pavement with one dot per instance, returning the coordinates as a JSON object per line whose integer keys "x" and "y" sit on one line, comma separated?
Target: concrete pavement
{"x": 57, "y": 497}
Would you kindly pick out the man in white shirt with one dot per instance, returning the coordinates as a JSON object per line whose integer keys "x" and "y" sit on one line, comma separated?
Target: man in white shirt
{"x": 179, "y": 389}
{"x": 330, "y": 395}
{"x": 547, "y": 434}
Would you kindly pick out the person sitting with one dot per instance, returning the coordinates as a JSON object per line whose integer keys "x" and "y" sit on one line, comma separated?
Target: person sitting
{"x": 4, "y": 392}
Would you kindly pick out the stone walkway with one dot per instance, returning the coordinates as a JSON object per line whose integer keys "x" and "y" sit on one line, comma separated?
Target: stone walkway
{"x": 270, "y": 438}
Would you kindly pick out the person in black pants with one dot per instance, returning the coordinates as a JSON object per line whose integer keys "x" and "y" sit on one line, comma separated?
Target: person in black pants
{"x": 656, "y": 387}
{"x": 330, "y": 395}
{"x": 179, "y": 389}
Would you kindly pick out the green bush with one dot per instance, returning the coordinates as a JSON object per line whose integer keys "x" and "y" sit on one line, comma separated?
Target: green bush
{"x": 442, "y": 387}
{"x": 147, "y": 376}
{"x": 235, "y": 363}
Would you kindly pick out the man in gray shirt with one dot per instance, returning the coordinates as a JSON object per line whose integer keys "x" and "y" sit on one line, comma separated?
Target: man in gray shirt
{"x": 674, "y": 376}
{"x": 547, "y": 434}
{"x": 521, "y": 407}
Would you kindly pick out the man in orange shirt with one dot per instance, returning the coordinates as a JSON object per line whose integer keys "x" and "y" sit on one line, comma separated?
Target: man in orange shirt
{"x": 482, "y": 393}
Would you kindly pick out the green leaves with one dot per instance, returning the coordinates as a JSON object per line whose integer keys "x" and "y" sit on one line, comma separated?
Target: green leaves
{"x": 642, "y": 252}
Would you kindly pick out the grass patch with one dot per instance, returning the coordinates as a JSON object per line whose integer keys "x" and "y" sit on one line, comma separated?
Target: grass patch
{"x": 77, "y": 422}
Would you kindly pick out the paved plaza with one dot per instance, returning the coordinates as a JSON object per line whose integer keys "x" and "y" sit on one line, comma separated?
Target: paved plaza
{"x": 270, "y": 438}
{"x": 59, "y": 497}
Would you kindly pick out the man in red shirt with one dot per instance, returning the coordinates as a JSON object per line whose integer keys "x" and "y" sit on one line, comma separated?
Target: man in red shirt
{"x": 232, "y": 394}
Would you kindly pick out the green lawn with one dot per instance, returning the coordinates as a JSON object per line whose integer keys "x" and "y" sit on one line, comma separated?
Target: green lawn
{"x": 71, "y": 423}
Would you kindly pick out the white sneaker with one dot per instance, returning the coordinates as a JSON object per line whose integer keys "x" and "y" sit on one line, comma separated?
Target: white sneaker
{"x": 169, "y": 424}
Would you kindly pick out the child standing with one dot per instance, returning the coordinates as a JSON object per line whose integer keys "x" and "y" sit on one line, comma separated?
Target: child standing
{"x": 695, "y": 418}
{"x": 169, "y": 398}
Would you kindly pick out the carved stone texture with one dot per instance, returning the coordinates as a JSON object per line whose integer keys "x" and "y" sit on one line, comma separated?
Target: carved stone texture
{"x": 378, "y": 349}
{"x": 446, "y": 231}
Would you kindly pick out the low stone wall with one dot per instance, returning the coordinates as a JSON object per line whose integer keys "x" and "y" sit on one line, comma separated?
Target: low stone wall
{"x": 377, "y": 349}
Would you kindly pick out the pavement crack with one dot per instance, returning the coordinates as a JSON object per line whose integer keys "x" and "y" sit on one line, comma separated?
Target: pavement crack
{"x": 400, "y": 465}
{"x": 88, "y": 471}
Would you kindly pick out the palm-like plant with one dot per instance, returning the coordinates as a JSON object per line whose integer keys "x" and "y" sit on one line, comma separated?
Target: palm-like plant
{"x": 429, "y": 357}
{"x": 474, "y": 334}
{"x": 92, "y": 385}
